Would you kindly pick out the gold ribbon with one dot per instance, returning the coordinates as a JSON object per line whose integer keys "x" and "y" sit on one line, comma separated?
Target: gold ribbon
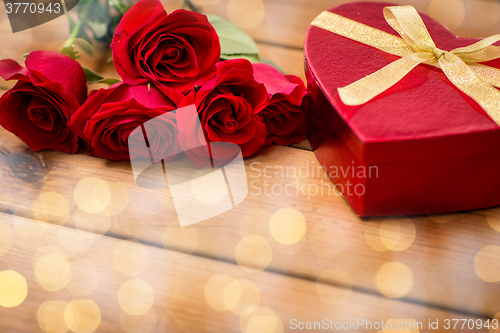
{"x": 416, "y": 47}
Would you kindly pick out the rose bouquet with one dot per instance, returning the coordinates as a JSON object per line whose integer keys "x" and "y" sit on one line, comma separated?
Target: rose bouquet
{"x": 166, "y": 61}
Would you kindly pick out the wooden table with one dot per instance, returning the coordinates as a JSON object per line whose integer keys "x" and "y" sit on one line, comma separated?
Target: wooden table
{"x": 100, "y": 254}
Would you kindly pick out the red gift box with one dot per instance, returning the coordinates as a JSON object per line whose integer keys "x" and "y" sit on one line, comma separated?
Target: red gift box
{"x": 422, "y": 146}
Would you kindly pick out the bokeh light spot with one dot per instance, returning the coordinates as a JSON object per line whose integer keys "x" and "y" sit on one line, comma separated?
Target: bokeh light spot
{"x": 130, "y": 257}
{"x": 53, "y": 272}
{"x": 51, "y": 207}
{"x": 397, "y": 234}
{"x": 136, "y": 297}
{"x": 253, "y": 253}
{"x": 394, "y": 279}
{"x": 245, "y": 13}
{"x": 262, "y": 320}
{"x": 215, "y": 291}
{"x": 372, "y": 235}
{"x": 13, "y": 289}
{"x": 288, "y": 225}
{"x": 391, "y": 233}
{"x": 241, "y": 297}
{"x": 487, "y": 263}
{"x": 82, "y": 316}
{"x": 451, "y": 13}
{"x": 494, "y": 221}
{"x": 50, "y": 317}
{"x": 92, "y": 195}
{"x": 46, "y": 250}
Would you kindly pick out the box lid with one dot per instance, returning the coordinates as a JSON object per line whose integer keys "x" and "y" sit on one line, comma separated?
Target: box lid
{"x": 422, "y": 116}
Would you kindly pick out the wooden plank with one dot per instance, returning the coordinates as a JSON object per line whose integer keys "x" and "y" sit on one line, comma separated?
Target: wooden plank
{"x": 439, "y": 260}
{"x": 96, "y": 288}
{"x": 444, "y": 272}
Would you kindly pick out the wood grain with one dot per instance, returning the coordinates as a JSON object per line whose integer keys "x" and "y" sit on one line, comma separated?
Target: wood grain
{"x": 442, "y": 265}
{"x": 449, "y": 256}
{"x": 180, "y": 284}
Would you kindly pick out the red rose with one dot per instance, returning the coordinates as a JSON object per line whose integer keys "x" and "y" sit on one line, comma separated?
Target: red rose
{"x": 175, "y": 50}
{"x": 109, "y": 116}
{"x": 284, "y": 116}
{"x": 227, "y": 107}
{"x": 37, "y": 109}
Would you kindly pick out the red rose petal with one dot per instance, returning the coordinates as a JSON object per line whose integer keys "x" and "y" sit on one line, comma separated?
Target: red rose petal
{"x": 61, "y": 69}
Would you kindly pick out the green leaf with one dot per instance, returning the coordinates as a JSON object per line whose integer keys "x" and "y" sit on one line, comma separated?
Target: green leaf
{"x": 250, "y": 57}
{"x": 233, "y": 40}
{"x": 269, "y": 62}
{"x": 70, "y": 51}
{"x": 91, "y": 76}
{"x": 109, "y": 82}
{"x": 84, "y": 45}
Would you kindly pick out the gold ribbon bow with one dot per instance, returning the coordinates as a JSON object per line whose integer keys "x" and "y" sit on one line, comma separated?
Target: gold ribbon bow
{"x": 415, "y": 47}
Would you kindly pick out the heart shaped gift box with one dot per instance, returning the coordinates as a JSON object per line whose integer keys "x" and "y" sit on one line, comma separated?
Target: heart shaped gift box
{"x": 422, "y": 146}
